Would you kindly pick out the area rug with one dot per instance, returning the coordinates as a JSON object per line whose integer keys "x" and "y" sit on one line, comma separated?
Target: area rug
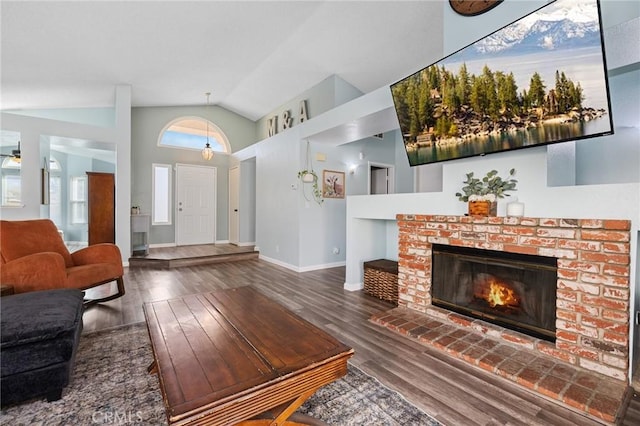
{"x": 111, "y": 386}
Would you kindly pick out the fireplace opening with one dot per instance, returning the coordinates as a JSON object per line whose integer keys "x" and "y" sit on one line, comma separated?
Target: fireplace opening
{"x": 512, "y": 290}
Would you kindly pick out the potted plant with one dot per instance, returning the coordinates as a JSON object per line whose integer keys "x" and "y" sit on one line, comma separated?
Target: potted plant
{"x": 482, "y": 194}
{"x": 307, "y": 176}
{"x": 310, "y": 177}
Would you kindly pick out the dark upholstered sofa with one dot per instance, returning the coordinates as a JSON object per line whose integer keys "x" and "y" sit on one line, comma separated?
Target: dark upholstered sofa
{"x": 39, "y": 336}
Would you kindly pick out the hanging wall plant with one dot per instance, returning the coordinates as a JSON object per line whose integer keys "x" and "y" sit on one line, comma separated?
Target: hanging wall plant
{"x": 309, "y": 178}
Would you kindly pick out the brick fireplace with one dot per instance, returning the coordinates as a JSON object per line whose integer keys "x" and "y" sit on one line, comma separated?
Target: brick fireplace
{"x": 592, "y": 294}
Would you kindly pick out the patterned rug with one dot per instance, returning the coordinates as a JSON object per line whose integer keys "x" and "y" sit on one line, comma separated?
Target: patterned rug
{"x": 111, "y": 386}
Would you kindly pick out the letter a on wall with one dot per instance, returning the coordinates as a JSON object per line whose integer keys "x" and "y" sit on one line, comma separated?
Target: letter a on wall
{"x": 303, "y": 111}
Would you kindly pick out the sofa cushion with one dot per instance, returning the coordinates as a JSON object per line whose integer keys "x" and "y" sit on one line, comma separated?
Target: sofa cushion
{"x": 39, "y": 328}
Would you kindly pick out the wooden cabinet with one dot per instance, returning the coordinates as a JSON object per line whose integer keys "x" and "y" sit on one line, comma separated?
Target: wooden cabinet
{"x": 101, "y": 208}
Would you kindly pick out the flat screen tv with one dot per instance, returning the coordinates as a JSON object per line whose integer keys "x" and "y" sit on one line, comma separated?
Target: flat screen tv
{"x": 540, "y": 80}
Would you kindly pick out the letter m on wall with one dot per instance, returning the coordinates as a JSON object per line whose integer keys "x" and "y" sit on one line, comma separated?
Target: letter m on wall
{"x": 272, "y": 126}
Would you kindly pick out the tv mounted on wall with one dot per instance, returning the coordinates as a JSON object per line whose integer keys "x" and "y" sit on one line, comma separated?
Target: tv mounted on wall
{"x": 540, "y": 80}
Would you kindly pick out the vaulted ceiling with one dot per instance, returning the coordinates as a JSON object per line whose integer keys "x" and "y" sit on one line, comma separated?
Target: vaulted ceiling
{"x": 253, "y": 56}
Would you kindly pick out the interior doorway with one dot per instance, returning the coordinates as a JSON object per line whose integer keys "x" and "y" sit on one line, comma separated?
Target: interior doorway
{"x": 195, "y": 204}
{"x": 381, "y": 178}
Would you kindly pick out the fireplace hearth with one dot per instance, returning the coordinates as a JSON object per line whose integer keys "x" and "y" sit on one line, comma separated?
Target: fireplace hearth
{"x": 515, "y": 291}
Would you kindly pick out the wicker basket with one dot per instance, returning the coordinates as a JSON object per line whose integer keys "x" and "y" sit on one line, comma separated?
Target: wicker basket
{"x": 381, "y": 279}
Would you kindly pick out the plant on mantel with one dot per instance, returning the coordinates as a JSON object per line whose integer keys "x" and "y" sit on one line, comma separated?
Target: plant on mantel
{"x": 482, "y": 194}
{"x": 309, "y": 176}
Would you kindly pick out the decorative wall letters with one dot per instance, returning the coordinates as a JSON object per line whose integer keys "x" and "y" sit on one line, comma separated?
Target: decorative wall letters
{"x": 287, "y": 119}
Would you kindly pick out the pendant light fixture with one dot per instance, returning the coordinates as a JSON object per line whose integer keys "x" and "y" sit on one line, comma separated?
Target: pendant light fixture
{"x": 207, "y": 152}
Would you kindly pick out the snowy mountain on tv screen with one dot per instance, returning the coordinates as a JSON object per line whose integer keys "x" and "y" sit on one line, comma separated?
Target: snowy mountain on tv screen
{"x": 565, "y": 24}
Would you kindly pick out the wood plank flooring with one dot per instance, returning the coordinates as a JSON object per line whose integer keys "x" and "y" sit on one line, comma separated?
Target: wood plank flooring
{"x": 450, "y": 390}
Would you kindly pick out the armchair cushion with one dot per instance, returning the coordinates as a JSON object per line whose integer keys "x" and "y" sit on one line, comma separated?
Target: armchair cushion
{"x": 24, "y": 237}
{"x": 38, "y": 271}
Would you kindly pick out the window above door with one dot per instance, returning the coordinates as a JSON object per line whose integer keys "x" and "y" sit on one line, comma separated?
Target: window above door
{"x": 191, "y": 133}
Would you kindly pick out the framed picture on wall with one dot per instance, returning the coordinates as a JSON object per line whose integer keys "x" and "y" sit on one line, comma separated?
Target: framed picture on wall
{"x": 332, "y": 184}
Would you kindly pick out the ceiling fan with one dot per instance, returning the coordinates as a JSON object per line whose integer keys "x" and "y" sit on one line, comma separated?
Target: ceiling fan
{"x": 15, "y": 153}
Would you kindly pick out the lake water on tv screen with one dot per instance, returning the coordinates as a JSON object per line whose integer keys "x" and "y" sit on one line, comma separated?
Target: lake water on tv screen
{"x": 550, "y": 132}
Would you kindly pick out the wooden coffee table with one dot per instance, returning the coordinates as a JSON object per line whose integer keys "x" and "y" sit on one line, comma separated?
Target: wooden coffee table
{"x": 235, "y": 356}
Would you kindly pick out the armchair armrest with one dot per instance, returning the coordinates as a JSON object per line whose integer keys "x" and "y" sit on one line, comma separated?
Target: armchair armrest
{"x": 98, "y": 253}
{"x": 39, "y": 271}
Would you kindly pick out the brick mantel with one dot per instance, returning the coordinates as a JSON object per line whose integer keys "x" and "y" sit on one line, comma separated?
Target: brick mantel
{"x": 593, "y": 287}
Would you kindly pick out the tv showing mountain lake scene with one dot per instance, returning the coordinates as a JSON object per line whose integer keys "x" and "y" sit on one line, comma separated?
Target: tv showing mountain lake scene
{"x": 540, "y": 80}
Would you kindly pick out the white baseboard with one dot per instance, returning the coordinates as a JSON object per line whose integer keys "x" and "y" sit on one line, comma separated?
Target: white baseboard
{"x": 278, "y": 262}
{"x": 353, "y": 286}
{"x": 301, "y": 269}
{"x": 245, "y": 244}
{"x": 162, "y": 245}
{"x": 165, "y": 245}
{"x": 322, "y": 266}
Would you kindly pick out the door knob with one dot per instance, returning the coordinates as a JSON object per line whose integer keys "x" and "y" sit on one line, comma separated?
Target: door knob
{"x": 235, "y": 210}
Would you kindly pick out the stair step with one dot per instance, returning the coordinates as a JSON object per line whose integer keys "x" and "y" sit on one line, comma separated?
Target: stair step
{"x": 164, "y": 261}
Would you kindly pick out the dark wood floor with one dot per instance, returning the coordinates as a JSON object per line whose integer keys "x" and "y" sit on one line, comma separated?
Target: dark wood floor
{"x": 450, "y": 390}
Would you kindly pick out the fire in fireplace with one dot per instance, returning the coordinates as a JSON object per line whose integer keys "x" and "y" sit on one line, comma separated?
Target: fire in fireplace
{"x": 512, "y": 290}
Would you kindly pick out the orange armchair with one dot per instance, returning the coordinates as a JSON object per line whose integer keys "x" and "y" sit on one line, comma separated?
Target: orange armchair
{"x": 33, "y": 256}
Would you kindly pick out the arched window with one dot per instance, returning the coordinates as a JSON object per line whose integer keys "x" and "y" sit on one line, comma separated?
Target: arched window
{"x": 191, "y": 133}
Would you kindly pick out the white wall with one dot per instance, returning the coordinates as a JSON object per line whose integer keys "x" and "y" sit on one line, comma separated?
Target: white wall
{"x": 289, "y": 231}
{"x": 101, "y": 117}
{"x": 247, "y": 199}
{"x": 277, "y": 204}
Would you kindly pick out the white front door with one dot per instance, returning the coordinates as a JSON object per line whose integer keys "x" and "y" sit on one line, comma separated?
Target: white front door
{"x": 195, "y": 205}
{"x": 234, "y": 205}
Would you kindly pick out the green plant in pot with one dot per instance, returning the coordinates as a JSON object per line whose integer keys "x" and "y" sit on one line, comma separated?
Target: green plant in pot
{"x": 309, "y": 177}
{"x": 482, "y": 194}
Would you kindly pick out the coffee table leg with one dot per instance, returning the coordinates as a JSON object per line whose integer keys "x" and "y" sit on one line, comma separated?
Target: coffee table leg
{"x": 284, "y": 411}
{"x": 285, "y": 415}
